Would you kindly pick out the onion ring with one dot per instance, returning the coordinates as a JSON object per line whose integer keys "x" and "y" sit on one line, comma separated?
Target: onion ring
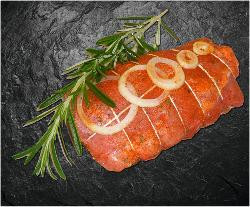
{"x": 124, "y": 91}
{"x": 203, "y": 48}
{"x": 168, "y": 84}
{"x": 187, "y": 59}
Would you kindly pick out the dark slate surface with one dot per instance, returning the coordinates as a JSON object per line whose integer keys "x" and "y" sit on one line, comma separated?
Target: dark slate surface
{"x": 40, "y": 39}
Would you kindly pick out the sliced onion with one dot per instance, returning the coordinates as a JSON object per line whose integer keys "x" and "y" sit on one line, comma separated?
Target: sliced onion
{"x": 187, "y": 59}
{"x": 203, "y": 48}
{"x": 109, "y": 130}
{"x": 168, "y": 84}
{"x": 125, "y": 92}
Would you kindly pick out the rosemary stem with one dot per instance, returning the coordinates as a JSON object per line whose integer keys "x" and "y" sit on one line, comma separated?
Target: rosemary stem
{"x": 78, "y": 83}
{"x": 140, "y": 31}
{"x": 75, "y": 66}
{"x": 86, "y": 74}
{"x": 154, "y": 20}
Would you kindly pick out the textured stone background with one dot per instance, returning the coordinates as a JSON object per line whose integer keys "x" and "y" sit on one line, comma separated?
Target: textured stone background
{"x": 40, "y": 39}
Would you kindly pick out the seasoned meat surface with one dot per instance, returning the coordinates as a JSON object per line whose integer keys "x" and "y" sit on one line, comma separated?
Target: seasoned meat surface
{"x": 209, "y": 90}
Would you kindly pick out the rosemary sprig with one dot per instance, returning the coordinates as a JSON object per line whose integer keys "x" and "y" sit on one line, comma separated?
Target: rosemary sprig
{"x": 126, "y": 44}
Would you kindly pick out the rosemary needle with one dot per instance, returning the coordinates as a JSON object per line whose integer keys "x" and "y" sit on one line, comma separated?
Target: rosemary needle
{"x": 126, "y": 44}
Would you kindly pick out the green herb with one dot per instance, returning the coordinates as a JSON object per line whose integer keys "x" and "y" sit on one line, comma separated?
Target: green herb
{"x": 168, "y": 101}
{"x": 75, "y": 136}
{"x": 126, "y": 44}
